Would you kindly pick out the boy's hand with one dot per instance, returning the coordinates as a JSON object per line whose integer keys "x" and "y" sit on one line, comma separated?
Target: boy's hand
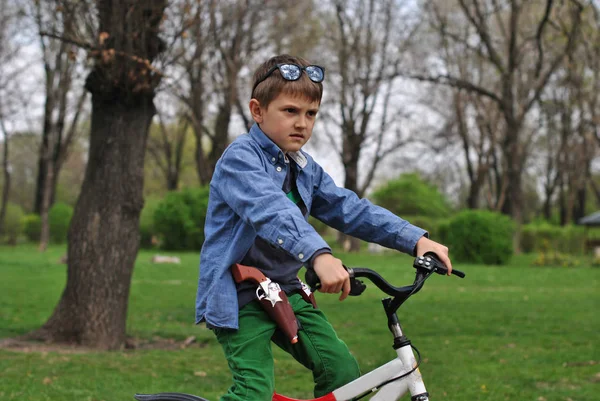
{"x": 334, "y": 278}
{"x": 425, "y": 245}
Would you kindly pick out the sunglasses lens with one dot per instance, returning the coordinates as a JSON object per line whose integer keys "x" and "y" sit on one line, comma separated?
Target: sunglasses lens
{"x": 290, "y": 72}
{"x": 315, "y": 73}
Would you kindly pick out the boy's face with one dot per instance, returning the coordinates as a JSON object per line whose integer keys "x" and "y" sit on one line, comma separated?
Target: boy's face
{"x": 288, "y": 120}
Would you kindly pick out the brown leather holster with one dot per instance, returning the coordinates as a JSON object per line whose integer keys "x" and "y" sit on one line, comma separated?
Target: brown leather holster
{"x": 273, "y": 299}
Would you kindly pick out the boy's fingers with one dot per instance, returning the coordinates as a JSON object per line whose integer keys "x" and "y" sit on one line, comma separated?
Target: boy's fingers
{"x": 446, "y": 260}
{"x": 345, "y": 289}
{"x": 326, "y": 288}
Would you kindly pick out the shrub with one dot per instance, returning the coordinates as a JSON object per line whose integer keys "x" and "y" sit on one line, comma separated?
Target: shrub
{"x": 431, "y": 225}
{"x": 541, "y": 237}
{"x": 147, "y": 230}
{"x": 13, "y": 222}
{"x": 179, "y": 219}
{"x": 32, "y": 227}
{"x": 59, "y": 218}
{"x": 443, "y": 229}
{"x": 480, "y": 236}
{"x": 409, "y": 195}
{"x": 554, "y": 258}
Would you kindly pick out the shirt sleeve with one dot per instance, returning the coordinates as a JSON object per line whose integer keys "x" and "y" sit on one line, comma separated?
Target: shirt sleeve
{"x": 343, "y": 210}
{"x": 242, "y": 181}
{"x": 311, "y": 261}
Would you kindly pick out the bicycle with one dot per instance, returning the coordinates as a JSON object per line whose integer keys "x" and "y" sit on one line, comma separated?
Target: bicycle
{"x": 390, "y": 381}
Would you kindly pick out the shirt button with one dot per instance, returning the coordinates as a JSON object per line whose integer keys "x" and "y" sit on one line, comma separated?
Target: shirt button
{"x": 273, "y": 159}
{"x": 278, "y": 168}
{"x": 301, "y": 256}
{"x": 280, "y": 241}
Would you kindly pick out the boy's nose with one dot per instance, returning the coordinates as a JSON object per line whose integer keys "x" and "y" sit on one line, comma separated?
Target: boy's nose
{"x": 301, "y": 122}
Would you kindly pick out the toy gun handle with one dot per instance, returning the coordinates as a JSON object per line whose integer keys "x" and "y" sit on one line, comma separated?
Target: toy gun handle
{"x": 272, "y": 299}
{"x": 243, "y": 273}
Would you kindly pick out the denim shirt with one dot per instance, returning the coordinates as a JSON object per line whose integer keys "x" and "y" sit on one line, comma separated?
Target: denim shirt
{"x": 246, "y": 201}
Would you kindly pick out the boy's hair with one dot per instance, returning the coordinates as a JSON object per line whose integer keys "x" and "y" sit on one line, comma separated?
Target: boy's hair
{"x": 275, "y": 84}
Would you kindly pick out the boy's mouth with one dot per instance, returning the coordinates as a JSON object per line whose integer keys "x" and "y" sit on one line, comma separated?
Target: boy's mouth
{"x": 298, "y": 136}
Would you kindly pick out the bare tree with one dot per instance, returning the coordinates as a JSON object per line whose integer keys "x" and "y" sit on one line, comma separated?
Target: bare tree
{"x": 591, "y": 78}
{"x": 217, "y": 54}
{"x": 477, "y": 126}
{"x": 166, "y": 148}
{"x": 5, "y": 173}
{"x": 104, "y": 234}
{"x": 568, "y": 141}
{"x": 524, "y": 57}
{"x": 58, "y": 133}
{"x": 10, "y": 93}
{"x": 591, "y": 52}
{"x": 368, "y": 49}
{"x": 550, "y": 145}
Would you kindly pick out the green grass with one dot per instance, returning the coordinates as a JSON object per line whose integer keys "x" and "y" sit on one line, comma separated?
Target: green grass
{"x": 503, "y": 333}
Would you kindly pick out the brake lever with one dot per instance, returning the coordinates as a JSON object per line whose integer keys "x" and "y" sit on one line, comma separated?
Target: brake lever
{"x": 357, "y": 287}
{"x": 431, "y": 262}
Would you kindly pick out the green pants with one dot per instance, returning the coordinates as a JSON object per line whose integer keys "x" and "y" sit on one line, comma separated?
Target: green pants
{"x": 248, "y": 352}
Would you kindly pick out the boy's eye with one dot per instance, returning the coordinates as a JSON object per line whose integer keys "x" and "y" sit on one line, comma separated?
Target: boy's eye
{"x": 312, "y": 113}
{"x": 290, "y": 110}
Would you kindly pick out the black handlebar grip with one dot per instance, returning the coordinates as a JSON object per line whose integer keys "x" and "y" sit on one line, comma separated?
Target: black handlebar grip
{"x": 458, "y": 273}
{"x": 312, "y": 280}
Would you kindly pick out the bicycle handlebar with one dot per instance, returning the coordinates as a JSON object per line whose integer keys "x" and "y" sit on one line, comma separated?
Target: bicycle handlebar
{"x": 426, "y": 265}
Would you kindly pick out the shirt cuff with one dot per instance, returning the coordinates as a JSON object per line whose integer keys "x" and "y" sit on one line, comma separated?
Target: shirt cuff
{"x": 408, "y": 237}
{"x": 309, "y": 263}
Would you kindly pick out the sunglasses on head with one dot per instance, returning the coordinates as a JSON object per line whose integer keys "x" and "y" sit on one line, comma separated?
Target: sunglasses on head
{"x": 292, "y": 72}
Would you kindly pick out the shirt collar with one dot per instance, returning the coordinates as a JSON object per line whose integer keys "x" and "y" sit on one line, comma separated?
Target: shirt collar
{"x": 273, "y": 150}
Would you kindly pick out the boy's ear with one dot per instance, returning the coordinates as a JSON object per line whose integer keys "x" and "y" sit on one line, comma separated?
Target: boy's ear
{"x": 256, "y": 111}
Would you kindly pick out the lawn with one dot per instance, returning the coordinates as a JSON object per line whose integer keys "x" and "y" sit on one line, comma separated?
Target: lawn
{"x": 503, "y": 333}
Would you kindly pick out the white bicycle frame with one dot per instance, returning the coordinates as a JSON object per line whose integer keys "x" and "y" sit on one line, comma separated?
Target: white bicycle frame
{"x": 392, "y": 380}
{"x": 404, "y": 363}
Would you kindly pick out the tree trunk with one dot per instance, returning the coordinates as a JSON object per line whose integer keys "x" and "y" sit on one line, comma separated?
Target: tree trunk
{"x": 104, "y": 236}
{"x": 46, "y": 199}
{"x": 474, "y": 189}
{"x": 596, "y": 190}
{"x": 104, "y": 231}
{"x": 580, "y": 195}
{"x": 172, "y": 179}
{"x": 351, "y": 156}
{"x": 562, "y": 203}
{"x": 202, "y": 164}
{"x": 547, "y": 205}
{"x": 6, "y": 173}
{"x": 513, "y": 205}
{"x": 37, "y": 203}
{"x": 43, "y": 159}
{"x": 221, "y": 138}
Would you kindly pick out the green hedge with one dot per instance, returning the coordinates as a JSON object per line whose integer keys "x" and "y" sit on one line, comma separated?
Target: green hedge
{"x": 410, "y": 195}
{"x": 59, "y": 218}
{"x": 32, "y": 227}
{"x": 480, "y": 236}
{"x": 147, "y": 229}
{"x": 431, "y": 224}
{"x": 541, "y": 237}
{"x": 179, "y": 219}
{"x": 13, "y": 223}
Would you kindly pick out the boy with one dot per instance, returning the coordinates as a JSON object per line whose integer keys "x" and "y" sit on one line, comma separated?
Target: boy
{"x": 262, "y": 192}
